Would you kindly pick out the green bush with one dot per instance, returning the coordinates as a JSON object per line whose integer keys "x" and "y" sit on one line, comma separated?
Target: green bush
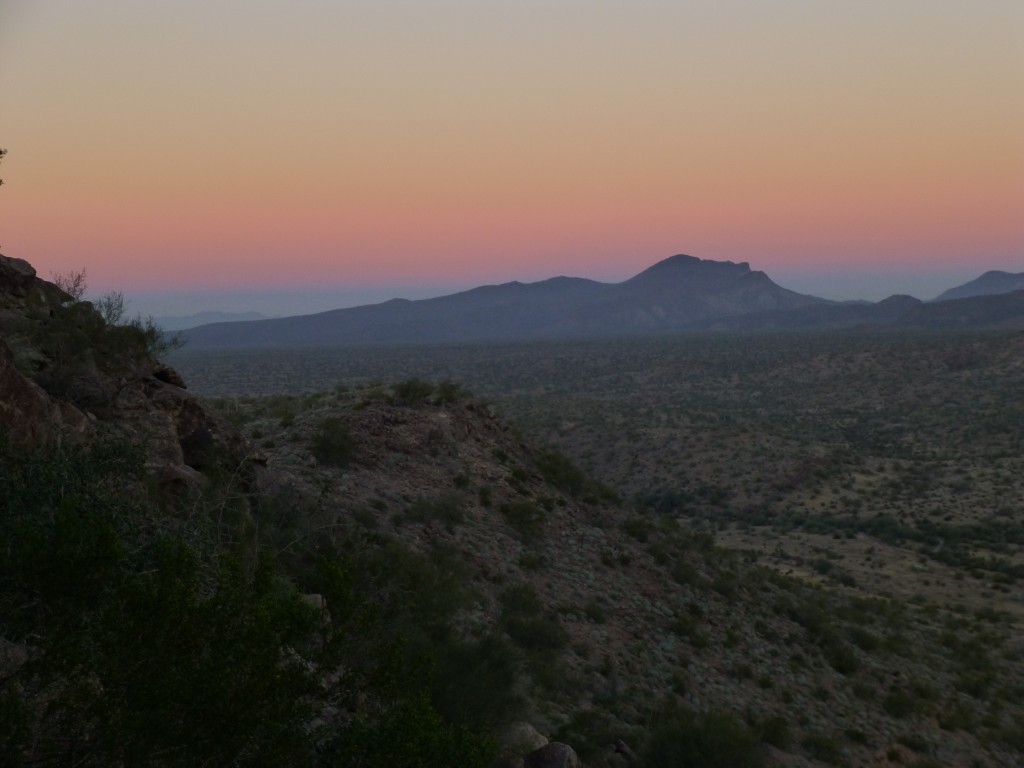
{"x": 446, "y": 509}
{"x": 475, "y": 682}
{"x": 637, "y": 527}
{"x": 595, "y": 612}
{"x": 408, "y": 734}
{"x": 411, "y": 392}
{"x": 449, "y": 392}
{"x": 526, "y": 518}
{"x": 536, "y": 633}
{"x": 774, "y": 730}
{"x": 560, "y": 472}
{"x": 710, "y": 740}
{"x": 823, "y": 747}
{"x": 143, "y": 651}
{"x": 900, "y": 703}
{"x": 332, "y": 443}
{"x": 520, "y": 600}
{"x": 154, "y": 646}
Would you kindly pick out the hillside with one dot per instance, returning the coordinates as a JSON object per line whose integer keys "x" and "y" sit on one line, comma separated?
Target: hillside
{"x": 995, "y": 311}
{"x": 620, "y": 612}
{"x": 393, "y": 575}
{"x": 184, "y": 322}
{"x": 990, "y": 283}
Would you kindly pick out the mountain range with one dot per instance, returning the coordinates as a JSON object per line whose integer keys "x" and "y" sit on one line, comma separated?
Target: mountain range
{"x": 680, "y": 293}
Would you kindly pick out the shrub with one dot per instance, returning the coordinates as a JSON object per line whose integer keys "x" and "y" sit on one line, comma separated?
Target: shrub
{"x": 526, "y": 518}
{"x": 820, "y": 746}
{"x": 637, "y": 527}
{"x": 475, "y": 682}
{"x": 448, "y": 391}
{"x": 774, "y": 730}
{"x": 538, "y": 634}
{"x": 332, "y": 443}
{"x": 142, "y": 647}
{"x": 560, "y": 472}
{"x": 595, "y": 612}
{"x": 532, "y": 561}
{"x": 520, "y": 600}
{"x": 900, "y": 704}
{"x": 446, "y": 509}
{"x": 485, "y": 496}
{"x": 411, "y": 392}
{"x": 842, "y": 658}
{"x": 711, "y": 740}
{"x": 153, "y": 645}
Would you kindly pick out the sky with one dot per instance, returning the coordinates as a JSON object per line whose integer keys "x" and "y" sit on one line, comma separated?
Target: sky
{"x": 297, "y": 156}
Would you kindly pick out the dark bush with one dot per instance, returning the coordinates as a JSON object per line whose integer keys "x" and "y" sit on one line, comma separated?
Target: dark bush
{"x": 526, "y": 518}
{"x": 710, "y": 740}
{"x": 332, "y": 443}
{"x": 412, "y": 392}
{"x": 537, "y": 633}
{"x": 446, "y": 509}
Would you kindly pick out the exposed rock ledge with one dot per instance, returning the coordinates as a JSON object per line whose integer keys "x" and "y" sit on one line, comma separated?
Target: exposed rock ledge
{"x": 141, "y": 402}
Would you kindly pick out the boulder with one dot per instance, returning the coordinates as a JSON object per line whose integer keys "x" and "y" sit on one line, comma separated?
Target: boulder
{"x": 515, "y": 740}
{"x": 166, "y": 373}
{"x": 553, "y": 755}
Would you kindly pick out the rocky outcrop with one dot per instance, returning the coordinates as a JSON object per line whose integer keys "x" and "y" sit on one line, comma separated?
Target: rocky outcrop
{"x": 50, "y": 398}
{"x": 23, "y": 294}
{"x": 32, "y": 418}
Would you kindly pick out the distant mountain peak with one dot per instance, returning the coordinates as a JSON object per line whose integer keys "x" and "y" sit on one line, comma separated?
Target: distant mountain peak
{"x": 691, "y": 271}
{"x": 683, "y": 261}
{"x": 680, "y": 292}
{"x": 991, "y": 283}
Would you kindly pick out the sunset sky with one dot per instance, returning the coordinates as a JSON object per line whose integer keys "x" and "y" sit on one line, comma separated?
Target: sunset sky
{"x": 296, "y": 156}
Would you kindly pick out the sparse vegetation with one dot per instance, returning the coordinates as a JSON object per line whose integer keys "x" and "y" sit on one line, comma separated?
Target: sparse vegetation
{"x": 785, "y": 552}
{"x": 156, "y": 646}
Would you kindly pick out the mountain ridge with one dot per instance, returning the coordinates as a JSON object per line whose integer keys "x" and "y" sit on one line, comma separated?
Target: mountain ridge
{"x": 990, "y": 283}
{"x": 677, "y": 294}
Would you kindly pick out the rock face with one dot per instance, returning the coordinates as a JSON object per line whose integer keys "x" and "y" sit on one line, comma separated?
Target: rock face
{"x": 30, "y": 416}
{"x": 65, "y": 377}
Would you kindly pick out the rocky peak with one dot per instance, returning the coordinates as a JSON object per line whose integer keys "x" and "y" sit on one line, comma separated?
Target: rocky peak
{"x": 23, "y": 295}
{"x": 692, "y": 267}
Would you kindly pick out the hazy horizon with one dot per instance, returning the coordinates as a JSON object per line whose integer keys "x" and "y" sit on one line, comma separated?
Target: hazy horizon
{"x": 300, "y": 300}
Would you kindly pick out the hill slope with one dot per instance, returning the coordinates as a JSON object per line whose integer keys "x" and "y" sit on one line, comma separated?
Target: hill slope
{"x": 618, "y": 612}
{"x": 988, "y": 284}
{"x": 456, "y": 579}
